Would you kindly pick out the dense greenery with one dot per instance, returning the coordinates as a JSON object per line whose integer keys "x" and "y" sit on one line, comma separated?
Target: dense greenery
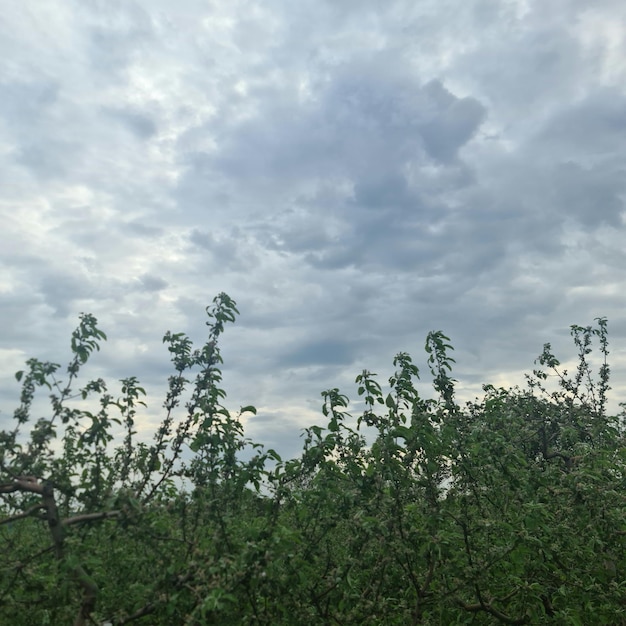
{"x": 507, "y": 510}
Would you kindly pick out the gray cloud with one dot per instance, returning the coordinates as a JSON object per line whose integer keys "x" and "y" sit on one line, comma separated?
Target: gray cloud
{"x": 352, "y": 174}
{"x": 320, "y": 352}
{"x": 139, "y": 124}
{"x": 152, "y": 283}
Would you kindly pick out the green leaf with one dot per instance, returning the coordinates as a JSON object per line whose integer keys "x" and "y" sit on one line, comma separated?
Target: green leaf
{"x": 401, "y": 431}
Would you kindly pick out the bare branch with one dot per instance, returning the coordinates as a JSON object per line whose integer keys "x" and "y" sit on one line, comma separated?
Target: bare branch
{"x": 23, "y": 483}
{"x": 90, "y": 517}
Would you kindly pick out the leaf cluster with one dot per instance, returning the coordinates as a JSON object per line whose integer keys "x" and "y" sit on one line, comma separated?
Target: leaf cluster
{"x": 507, "y": 510}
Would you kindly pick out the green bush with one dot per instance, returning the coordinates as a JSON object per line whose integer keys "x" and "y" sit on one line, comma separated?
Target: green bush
{"x": 508, "y": 510}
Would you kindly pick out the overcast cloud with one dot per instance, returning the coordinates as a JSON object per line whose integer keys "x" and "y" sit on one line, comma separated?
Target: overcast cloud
{"x": 353, "y": 174}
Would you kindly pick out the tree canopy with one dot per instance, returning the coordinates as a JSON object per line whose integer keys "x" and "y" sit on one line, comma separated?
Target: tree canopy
{"x": 506, "y": 510}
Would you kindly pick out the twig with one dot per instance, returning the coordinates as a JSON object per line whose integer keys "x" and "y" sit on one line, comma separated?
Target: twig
{"x": 26, "y": 513}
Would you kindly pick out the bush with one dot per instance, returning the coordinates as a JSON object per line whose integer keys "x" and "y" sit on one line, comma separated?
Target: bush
{"x": 508, "y": 510}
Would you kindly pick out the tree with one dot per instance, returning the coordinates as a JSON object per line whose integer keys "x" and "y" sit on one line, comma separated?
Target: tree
{"x": 508, "y": 510}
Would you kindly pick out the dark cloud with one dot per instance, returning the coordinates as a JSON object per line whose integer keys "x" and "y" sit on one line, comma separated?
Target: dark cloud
{"x": 139, "y": 124}
{"x": 352, "y": 174}
{"x": 387, "y": 193}
{"x": 49, "y": 160}
{"x": 593, "y": 196}
{"x": 320, "y": 352}
{"x": 152, "y": 283}
{"x": 140, "y": 228}
{"x": 229, "y": 251}
{"x": 364, "y": 119}
{"x": 366, "y": 125}
{"x": 62, "y": 289}
{"x": 453, "y": 125}
{"x": 115, "y": 34}
{"x": 27, "y": 99}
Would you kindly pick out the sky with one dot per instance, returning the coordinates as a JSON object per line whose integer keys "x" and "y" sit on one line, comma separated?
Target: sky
{"x": 352, "y": 174}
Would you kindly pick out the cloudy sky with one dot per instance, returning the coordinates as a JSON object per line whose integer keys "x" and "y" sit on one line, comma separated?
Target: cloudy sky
{"x": 352, "y": 173}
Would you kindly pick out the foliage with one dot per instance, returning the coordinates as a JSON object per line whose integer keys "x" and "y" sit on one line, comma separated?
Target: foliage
{"x": 508, "y": 510}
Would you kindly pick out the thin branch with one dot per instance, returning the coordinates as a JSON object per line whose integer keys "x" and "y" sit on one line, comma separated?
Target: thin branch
{"x": 90, "y": 517}
{"x": 26, "y": 513}
{"x": 488, "y": 608}
{"x": 23, "y": 483}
